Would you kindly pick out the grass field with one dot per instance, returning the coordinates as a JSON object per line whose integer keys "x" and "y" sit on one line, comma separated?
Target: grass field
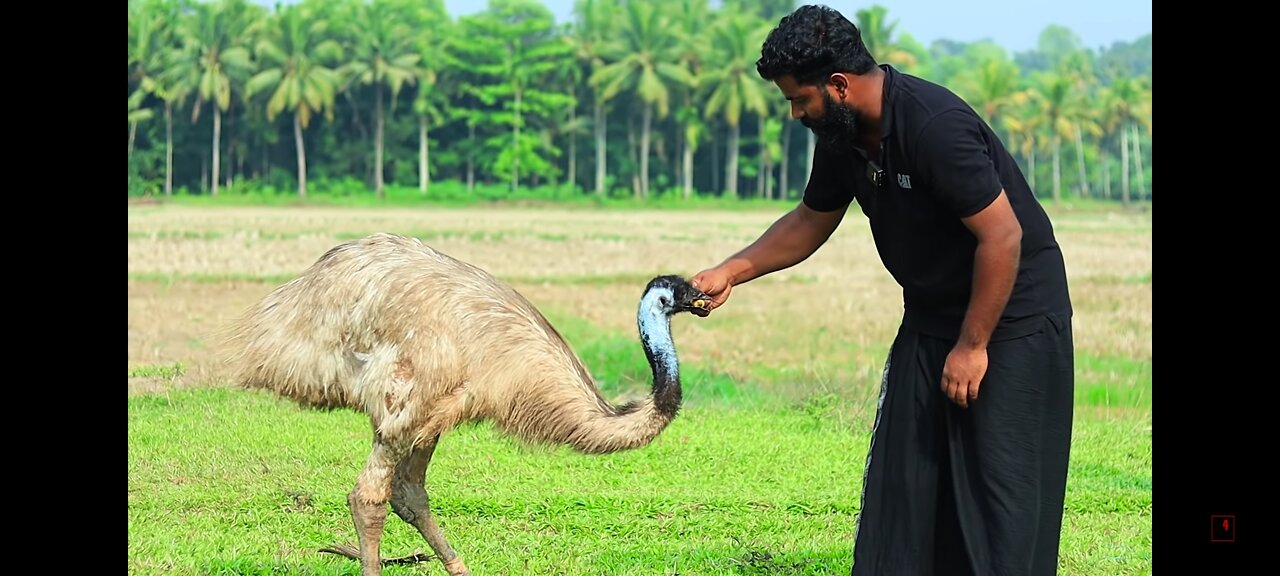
{"x": 760, "y": 474}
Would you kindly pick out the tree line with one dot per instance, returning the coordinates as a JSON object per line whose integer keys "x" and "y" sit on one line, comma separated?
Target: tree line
{"x": 631, "y": 98}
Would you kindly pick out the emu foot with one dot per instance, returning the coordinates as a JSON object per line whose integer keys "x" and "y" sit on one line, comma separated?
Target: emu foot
{"x": 455, "y": 567}
{"x": 354, "y": 553}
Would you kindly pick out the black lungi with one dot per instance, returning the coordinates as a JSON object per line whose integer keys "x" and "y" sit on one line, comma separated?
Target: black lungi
{"x": 977, "y": 491}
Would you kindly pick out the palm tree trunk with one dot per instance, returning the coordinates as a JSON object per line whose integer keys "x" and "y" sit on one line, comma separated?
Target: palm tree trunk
{"x": 424, "y": 175}
{"x": 471, "y": 157}
{"x": 646, "y": 121}
{"x": 515, "y": 146}
{"x": 1137, "y": 162}
{"x": 1106, "y": 174}
{"x": 1124, "y": 166}
{"x": 600, "y": 147}
{"x": 1057, "y": 168}
{"x": 731, "y": 162}
{"x": 168, "y": 149}
{"x": 762, "y": 165}
{"x": 688, "y": 169}
{"x": 573, "y": 153}
{"x": 1031, "y": 161}
{"x": 635, "y": 156}
{"x": 377, "y": 146}
{"x": 784, "y": 163}
{"x": 302, "y": 156}
{"x": 1084, "y": 172}
{"x": 133, "y": 132}
{"x": 217, "y": 141}
{"x": 715, "y": 161}
{"x": 231, "y": 141}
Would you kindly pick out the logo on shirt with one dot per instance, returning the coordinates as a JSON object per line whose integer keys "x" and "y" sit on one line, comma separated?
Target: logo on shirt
{"x": 904, "y": 181}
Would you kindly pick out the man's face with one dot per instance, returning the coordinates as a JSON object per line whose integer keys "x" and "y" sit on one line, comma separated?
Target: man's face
{"x": 835, "y": 123}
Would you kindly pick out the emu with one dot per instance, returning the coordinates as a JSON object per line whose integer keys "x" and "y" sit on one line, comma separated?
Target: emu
{"x": 421, "y": 342}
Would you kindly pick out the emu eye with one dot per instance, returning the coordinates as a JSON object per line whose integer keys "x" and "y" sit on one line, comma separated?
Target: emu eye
{"x": 664, "y": 300}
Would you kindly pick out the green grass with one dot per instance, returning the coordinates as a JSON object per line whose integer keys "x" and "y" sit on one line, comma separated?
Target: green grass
{"x": 452, "y": 194}
{"x": 235, "y": 482}
{"x": 165, "y": 371}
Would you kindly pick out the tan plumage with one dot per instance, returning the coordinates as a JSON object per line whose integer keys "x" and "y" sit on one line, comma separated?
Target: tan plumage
{"x": 420, "y": 342}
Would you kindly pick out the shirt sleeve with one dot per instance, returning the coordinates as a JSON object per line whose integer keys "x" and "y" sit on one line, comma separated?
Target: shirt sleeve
{"x": 954, "y": 159}
{"x": 826, "y": 190}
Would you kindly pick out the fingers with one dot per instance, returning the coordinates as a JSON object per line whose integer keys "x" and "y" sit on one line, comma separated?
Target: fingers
{"x": 957, "y": 391}
{"x": 714, "y": 285}
{"x": 718, "y": 299}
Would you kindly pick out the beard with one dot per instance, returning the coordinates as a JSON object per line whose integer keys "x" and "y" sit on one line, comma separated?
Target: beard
{"x": 838, "y": 127}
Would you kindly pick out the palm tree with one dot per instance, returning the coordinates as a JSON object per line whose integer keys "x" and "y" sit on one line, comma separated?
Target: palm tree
{"x": 692, "y": 25}
{"x": 431, "y": 103}
{"x": 1128, "y": 100}
{"x": 384, "y": 57}
{"x": 877, "y": 36}
{"x": 212, "y": 61}
{"x": 592, "y": 29}
{"x": 1056, "y": 94}
{"x": 294, "y": 53}
{"x": 645, "y": 60}
{"x": 1023, "y": 121}
{"x": 733, "y": 83}
{"x": 1081, "y": 114}
{"x": 990, "y": 87}
{"x": 150, "y": 32}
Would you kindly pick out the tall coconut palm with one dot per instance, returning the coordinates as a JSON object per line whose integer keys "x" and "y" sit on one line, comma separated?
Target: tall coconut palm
{"x": 1023, "y": 121}
{"x": 1127, "y": 102}
{"x": 1056, "y": 93}
{"x": 644, "y": 59}
{"x": 295, "y": 53}
{"x": 383, "y": 55}
{"x": 213, "y": 58}
{"x": 592, "y": 29}
{"x": 431, "y": 103}
{"x": 733, "y": 83}
{"x": 877, "y": 36}
{"x": 692, "y": 22}
{"x": 990, "y": 87}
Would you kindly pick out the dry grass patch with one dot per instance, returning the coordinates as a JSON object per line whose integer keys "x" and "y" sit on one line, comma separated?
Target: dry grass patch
{"x": 824, "y": 323}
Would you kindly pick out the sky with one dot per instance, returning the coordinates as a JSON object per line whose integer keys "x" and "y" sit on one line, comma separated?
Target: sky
{"x": 1013, "y": 24}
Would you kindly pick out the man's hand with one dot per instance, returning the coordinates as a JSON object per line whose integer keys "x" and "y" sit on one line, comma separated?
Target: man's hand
{"x": 963, "y": 374}
{"x": 715, "y": 282}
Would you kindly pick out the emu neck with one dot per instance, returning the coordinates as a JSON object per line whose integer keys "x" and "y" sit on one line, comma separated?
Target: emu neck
{"x": 659, "y": 348}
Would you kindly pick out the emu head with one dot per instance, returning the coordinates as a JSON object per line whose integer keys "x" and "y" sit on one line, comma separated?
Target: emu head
{"x": 673, "y": 294}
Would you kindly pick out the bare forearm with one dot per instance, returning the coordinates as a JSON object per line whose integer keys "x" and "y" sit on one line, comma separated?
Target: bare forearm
{"x": 995, "y": 269}
{"x": 789, "y": 241}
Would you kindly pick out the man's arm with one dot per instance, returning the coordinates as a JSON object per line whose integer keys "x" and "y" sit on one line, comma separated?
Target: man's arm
{"x": 995, "y": 267}
{"x": 790, "y": 240}
{"x": 954, "y": 157}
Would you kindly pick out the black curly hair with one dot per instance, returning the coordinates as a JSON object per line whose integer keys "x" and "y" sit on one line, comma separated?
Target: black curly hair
{"x": 811, "y": 44}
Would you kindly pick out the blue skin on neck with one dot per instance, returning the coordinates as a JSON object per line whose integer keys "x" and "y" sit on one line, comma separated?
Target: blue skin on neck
{"x": 655, "y": 330}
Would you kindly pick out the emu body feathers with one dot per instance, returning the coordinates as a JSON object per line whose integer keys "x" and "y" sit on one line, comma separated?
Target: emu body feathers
{"x": 420, "y": 341}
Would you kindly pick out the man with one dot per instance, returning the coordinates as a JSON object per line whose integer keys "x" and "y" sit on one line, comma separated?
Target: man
{"x": 967, "y": 467}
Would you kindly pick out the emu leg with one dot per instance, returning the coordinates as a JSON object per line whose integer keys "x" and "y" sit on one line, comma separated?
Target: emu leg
{"x": 410, "y": 502}
{"x": 368, "y": 503}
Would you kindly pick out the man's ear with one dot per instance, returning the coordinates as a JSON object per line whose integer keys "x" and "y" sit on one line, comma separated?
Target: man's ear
{"x": 839, "y": 84}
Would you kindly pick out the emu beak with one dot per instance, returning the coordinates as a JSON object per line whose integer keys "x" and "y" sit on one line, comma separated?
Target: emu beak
{"x": 700, "y": 306}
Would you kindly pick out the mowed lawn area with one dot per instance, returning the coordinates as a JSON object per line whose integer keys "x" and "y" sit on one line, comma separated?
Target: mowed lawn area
{"x": 760, "y": 473}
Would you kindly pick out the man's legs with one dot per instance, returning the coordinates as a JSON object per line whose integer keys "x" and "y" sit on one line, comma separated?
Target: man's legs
{"x": 1009, "y": 452}
{"x": 895, "y": 529}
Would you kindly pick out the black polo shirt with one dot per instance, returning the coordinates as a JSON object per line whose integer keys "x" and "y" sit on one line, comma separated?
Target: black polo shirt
{"x": 940, "y": 162}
